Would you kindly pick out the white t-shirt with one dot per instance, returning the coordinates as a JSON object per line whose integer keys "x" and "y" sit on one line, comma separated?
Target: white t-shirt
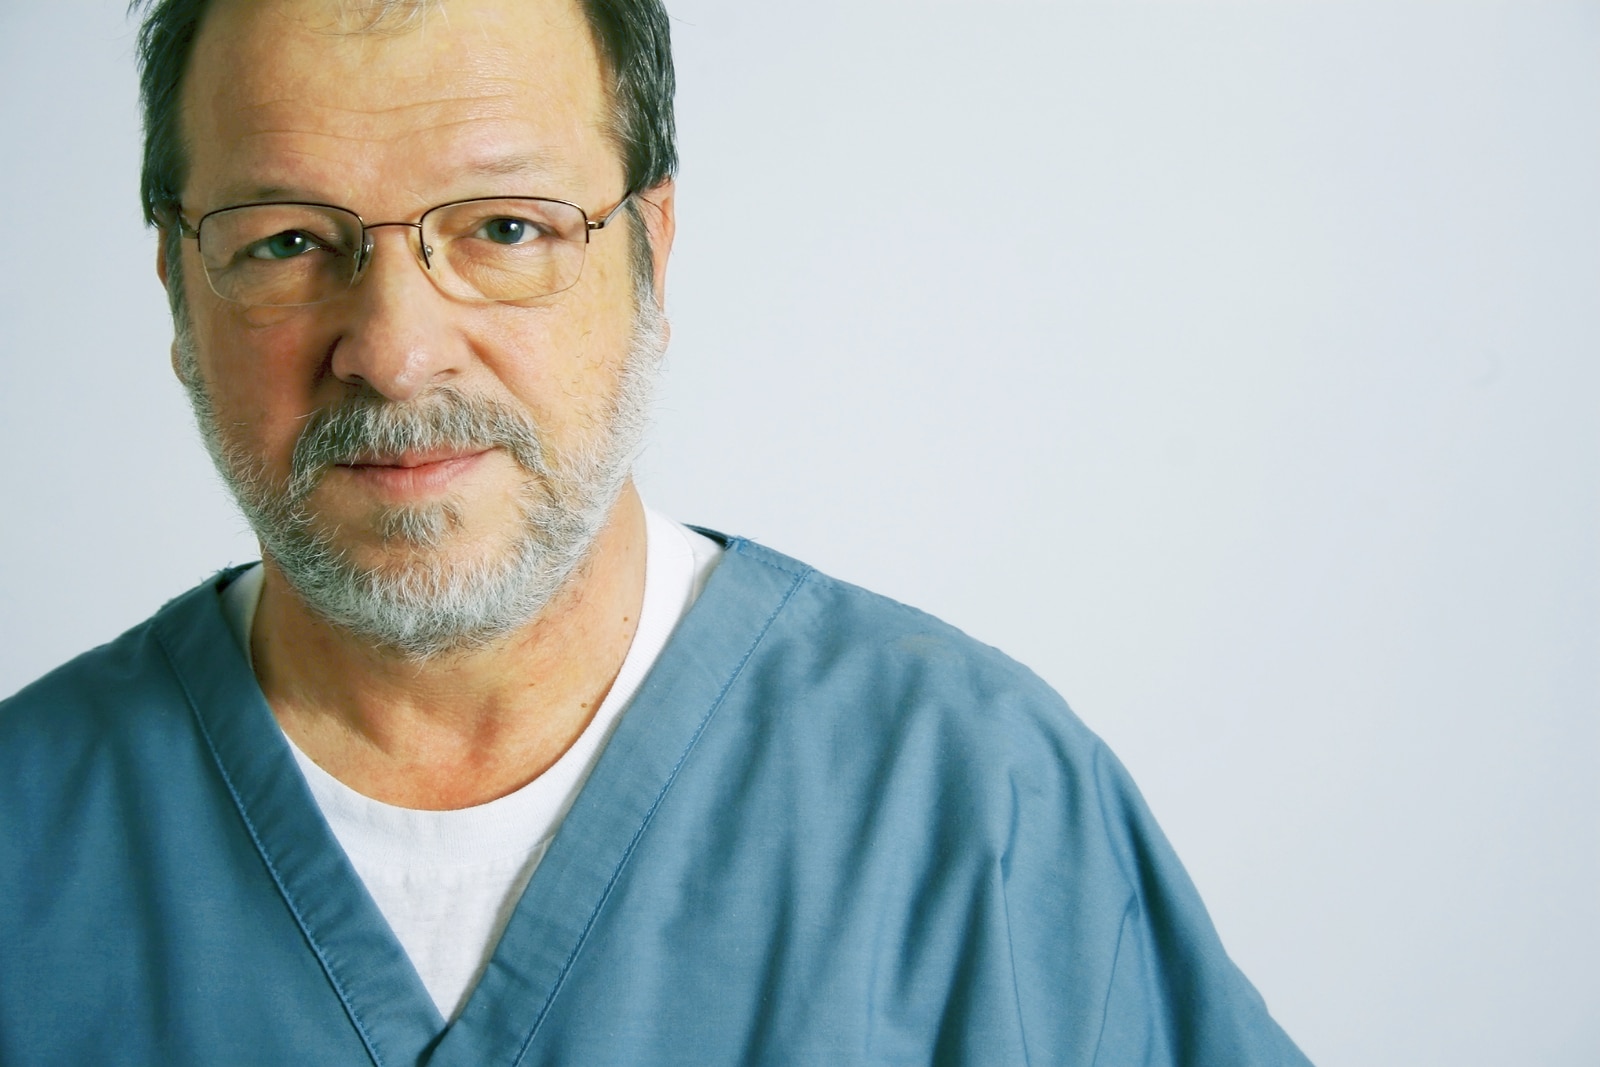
{"x": 447, "y": 881}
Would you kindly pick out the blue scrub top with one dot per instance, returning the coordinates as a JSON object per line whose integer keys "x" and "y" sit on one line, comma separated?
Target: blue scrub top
{"x": 829, "y": 830}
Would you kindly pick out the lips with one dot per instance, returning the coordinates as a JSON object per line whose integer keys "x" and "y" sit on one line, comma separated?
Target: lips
{"x": 413, "y": 460}
{"x": 412, "y": 474}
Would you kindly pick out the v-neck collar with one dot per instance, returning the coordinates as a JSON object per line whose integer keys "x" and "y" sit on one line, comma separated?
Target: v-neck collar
{"x": 379, "y": 988}
{"x": 568, "y": 893}
{"x": 370, "y": 972}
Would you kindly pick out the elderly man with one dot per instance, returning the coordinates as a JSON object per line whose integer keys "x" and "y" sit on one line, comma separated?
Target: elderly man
{"x": 485, "y": 763}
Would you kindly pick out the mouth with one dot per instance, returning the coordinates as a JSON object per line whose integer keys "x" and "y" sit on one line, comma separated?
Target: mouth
{"x": 411, "y": 475}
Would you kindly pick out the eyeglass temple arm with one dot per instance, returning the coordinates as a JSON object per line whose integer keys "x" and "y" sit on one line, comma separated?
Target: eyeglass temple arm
{"x": 169, "y": 215}
{"x": 600, "y": 223}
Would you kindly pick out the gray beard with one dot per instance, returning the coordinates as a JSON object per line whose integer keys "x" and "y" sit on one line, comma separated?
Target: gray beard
{"x": 431, "y": 604}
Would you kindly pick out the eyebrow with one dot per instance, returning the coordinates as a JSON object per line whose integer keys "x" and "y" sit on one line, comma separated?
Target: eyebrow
{"x": 247, "y": 194}
{"x": 523, "y": 163}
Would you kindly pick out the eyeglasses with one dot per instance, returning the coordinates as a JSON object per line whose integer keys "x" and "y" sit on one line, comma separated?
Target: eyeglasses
{"x": 290, "y": 254}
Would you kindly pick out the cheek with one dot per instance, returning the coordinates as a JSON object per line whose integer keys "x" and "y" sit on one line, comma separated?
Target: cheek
{"x": 261, "y": 380}
{"x": 566, "y": 371}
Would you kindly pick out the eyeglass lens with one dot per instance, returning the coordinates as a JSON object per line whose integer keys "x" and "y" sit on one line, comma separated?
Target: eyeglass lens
{"x": 282, "y": 255}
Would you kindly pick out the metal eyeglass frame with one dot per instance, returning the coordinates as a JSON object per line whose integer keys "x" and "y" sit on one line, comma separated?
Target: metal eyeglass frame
{"x": 363, "y": 254}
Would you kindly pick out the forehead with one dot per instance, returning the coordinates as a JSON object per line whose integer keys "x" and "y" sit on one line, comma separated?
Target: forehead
{"x": 289, "y": 96}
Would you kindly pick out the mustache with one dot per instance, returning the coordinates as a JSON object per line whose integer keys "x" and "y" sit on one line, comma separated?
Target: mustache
{"x": 364, "y": 427}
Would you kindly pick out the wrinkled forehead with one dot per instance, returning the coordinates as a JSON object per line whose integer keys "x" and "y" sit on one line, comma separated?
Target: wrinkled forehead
{"x": 320, "y": 85}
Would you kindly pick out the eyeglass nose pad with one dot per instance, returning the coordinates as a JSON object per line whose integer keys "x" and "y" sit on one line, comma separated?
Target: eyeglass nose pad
{"x": 363, "y": 255}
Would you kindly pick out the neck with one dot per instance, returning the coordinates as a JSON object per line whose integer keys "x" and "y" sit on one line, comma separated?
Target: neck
{"x": 463, "y": 729}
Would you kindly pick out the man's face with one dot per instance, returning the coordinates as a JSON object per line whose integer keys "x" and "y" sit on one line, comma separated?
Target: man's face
{"x": 475, "y": 433}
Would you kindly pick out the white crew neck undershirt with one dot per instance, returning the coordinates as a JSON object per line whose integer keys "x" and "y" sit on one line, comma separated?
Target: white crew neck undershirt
{"x": 448, "y": 881}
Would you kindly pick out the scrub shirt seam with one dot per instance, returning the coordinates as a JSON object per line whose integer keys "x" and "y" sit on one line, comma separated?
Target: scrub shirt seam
{"x": 1130, "y": 875}
{"x": 740, "y": 544}
{"x": 1011, "y": 948}
{"x": 850, "y": 589}
{"x": 266, "y": 858}
{"x": 1111, "y": 984}
{"x": 694, "y": 739}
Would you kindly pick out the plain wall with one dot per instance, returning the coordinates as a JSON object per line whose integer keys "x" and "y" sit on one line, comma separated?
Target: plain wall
{"x": 1231, "y": 365}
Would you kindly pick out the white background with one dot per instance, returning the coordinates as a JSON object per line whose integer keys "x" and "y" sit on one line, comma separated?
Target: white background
{"x": 1232, "y": 365}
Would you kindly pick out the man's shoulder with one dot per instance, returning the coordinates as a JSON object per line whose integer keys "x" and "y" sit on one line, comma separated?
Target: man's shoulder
{"x": 886, "y": 660}
{"x": 842, "y": 716}
{"x": 103, "y": 688}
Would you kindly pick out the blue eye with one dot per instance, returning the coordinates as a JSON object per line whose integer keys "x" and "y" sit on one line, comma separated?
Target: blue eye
{"x": 285, "y": 245}
{"x": 510, "y": 231}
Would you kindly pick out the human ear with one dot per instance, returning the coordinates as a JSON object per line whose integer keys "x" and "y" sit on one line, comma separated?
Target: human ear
{"x": 661, "y": 225}
{"x": 161, "y": 256}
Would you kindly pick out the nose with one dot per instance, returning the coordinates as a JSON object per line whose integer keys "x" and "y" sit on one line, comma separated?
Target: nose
{"x": 396, "y": 335}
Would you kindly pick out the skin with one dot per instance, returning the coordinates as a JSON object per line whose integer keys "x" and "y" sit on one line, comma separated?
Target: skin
{"x": 488, "y": 98}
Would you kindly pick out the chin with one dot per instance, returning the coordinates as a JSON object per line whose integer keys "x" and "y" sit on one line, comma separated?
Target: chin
{"x": 421, "y": 585}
